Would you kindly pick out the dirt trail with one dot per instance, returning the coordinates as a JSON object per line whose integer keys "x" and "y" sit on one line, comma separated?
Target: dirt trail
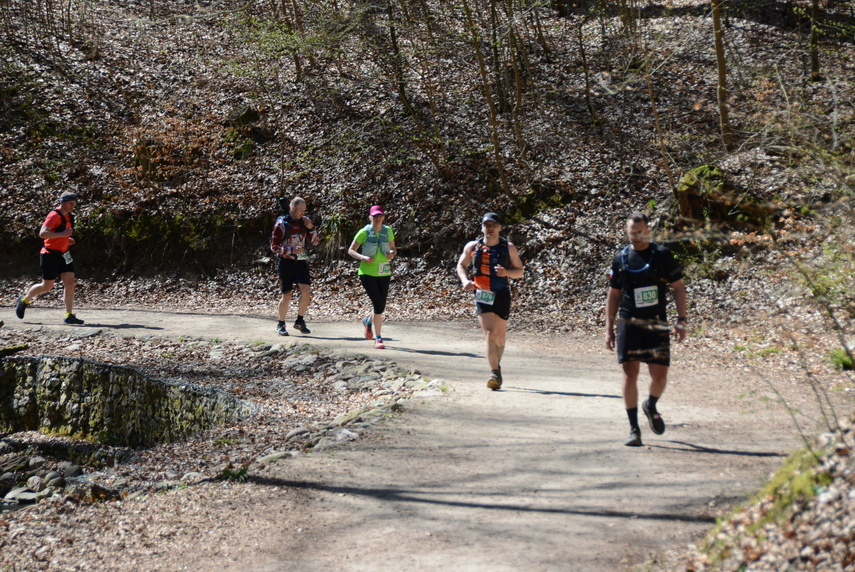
{"x": 533, "y": 477}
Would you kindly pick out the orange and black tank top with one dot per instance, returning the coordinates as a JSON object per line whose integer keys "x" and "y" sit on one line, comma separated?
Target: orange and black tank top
{"x": 484, "y": 261}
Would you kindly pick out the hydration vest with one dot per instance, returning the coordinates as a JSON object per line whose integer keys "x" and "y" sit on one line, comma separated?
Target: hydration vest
{"x": 376, "y": 241}
{"x": 503, "y": 256}
{"x": 641, "y": 276}
{"x": 63, "y": 223}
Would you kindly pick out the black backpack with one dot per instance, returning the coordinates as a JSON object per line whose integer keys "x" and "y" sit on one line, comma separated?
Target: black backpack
{"x": 62, "y": 225}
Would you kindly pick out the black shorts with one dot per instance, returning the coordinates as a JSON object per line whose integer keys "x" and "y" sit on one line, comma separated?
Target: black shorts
{"x": 650, "y": 343}
{"x": 53, "y": 265}
{"x": 501, "y": 306}
{"x": 292, "y": 272}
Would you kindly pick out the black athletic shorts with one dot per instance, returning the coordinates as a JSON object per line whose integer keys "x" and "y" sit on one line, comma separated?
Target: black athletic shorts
{"x": 292, "y": 272}
{"x": 649, "y": 342}
{"x": 53, "y": 265}
{"x": 501, "y": 306}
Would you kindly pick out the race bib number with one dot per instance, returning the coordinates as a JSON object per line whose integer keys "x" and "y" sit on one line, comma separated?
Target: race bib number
{"x": 66, "y": 256}
{"x": 384, "y": 268}
{"x": 303, "y": 255}
{"x": 485, "y": 297}
{"x": 646, "y": 297}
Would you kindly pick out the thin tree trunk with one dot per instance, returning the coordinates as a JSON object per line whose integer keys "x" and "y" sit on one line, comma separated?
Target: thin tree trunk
{"x": 666, "y": 159}
{"x": 721, "y": 64}
{"x": 494, "y": 127}
{"x": 814, "y": 40}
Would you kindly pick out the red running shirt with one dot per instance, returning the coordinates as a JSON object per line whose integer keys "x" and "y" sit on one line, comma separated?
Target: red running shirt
{"x": 53, "y": 221}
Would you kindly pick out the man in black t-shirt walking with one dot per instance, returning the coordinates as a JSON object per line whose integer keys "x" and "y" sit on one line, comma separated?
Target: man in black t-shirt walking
{"x": 638, "y": 286}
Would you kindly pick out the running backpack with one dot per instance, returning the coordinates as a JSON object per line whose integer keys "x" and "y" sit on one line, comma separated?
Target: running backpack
{"x": 504, "y": 258}
{"x": 375, "y": 241}
{"x": 644, "y": 274}
{"x": 63, "y": 224}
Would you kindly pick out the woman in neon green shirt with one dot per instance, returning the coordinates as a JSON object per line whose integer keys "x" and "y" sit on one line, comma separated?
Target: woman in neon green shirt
{"x": 377, "y": 242}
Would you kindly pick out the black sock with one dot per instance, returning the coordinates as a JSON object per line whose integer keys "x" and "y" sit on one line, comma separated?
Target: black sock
{"x": 651, "y": 403}
{"x": 299, "y": 318}
{"x": 633, "y": 417}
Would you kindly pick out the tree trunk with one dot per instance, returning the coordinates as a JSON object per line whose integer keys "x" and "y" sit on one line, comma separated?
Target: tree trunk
{"x": 494, "y": 125}
{"x": 721, "y": 63}
{"x": 814, "y": 40}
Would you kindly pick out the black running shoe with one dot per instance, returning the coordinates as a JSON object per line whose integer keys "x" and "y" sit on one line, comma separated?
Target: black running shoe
{"x": 281, "y": 329}
{"x": 301, "y": 325}
{"x": 495, "y": 382}
{"x": 20, "y": 308}
{"x": 634, "y": 439}
{"x": 73, "y": 320}
{"x": 657, "y": 424}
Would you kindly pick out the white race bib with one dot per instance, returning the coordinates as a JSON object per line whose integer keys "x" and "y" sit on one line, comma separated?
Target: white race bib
{"x": 67, "y": 257}
{"x": 485, "y": 297}
{"x": 646, "y": 296}
{"x": 384, "y": 268}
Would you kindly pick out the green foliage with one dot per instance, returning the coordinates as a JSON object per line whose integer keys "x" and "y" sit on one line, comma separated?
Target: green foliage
{"x": 242, "y": 146}
{"x": 337, "y": 232}
{"x": 841, "y": 359}
{"x": 699, "y": 257}
{"x": 194, "y": 233}
{"x": 795, "y": 482}
{"x": 230, "y": 473}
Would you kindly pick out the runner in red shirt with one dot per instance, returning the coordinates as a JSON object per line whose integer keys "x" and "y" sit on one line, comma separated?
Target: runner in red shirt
{"x": 288, "y": 241}
{"x": 55, "y": 258}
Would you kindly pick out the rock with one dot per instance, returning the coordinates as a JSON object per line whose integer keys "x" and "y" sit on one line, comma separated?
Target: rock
{"x": 342, "y": 434}
{"x": 193, "y": 477}
{"x": 166, "y": 485}
{"x": 21, "y": 495}
{"x": 428, "y": 393}
{"x": 14, "y": 462}
{"x": 349, "y": 416}
{"x": 137, "y": 494}
{"x": 57, "y": 482}
{"x": 86, "y": 332}
{"x": 72, "y": 471}
{"x": 36, "y": 462}
{"x": 296, "y": 433}
{"x": 273, "y": 457}
{"x": 36, "y": 484}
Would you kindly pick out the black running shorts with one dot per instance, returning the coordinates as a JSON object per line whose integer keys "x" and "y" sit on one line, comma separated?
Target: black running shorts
{"x": 293, "y": 272}
{"x": 649, "y": 342}
{"x": 53, "y": 265}
{"x": 501, "y": 306}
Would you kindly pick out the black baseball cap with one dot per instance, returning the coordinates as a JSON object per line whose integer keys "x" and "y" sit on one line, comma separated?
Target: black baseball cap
{"x": 493, "y": 217}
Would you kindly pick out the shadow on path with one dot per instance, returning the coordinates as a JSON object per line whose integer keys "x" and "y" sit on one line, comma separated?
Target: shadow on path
{"x": 410, "y": 496}
{"x": 122, "y": 326}
{"x": 560, "y": 393}
{"x": 435, "y": 352}
{"x": 692, "y": 448}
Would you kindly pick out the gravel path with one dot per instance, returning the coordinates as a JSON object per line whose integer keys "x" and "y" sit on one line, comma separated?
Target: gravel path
{"x": 534, "y": 477}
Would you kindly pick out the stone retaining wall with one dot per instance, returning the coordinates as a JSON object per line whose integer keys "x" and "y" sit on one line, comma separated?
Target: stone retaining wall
{"x": 109, "y": 404}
